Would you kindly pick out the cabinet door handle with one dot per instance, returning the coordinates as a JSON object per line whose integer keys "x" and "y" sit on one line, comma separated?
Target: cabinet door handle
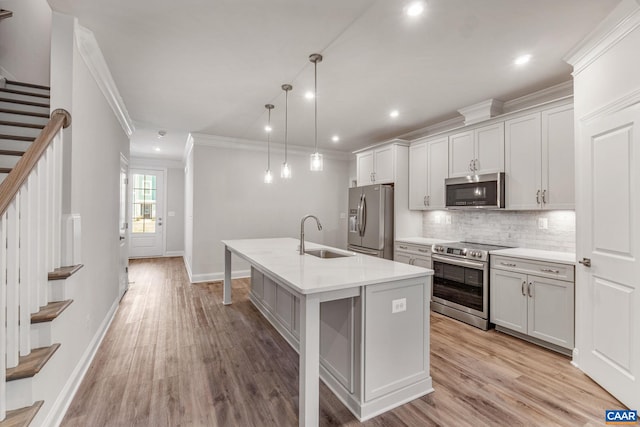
{"x": 544, "y": 196}
{"x": 550, "y": 270}
{"x": 530, "y": 290}
{"x": 428, "y": 200}
{"x": 423, "y": 250}
{"x": 411, "y": 261}
{"x": 475, "y": 165}
{"x": 402, "y": 247}
{"x": 470, "y": 165}
{"x": 508, "y": 264}
{"x": 524, "y": 294}
{"x": 538, "y": 196}
{"x": 425, "y": 200}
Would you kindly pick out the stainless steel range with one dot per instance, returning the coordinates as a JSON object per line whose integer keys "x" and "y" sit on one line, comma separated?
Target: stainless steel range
{"x": 461, "y": 281}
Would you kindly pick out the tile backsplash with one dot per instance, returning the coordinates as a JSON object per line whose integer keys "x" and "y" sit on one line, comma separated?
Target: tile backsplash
{"x": 510, "y": 228}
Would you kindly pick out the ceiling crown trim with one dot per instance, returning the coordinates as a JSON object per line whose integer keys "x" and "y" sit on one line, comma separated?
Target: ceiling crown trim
{"x": 92, "y": 56}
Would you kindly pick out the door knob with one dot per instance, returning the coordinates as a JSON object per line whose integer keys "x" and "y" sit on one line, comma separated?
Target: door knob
{"x": 121, "y": 237}
{"x": 586, "y": 262}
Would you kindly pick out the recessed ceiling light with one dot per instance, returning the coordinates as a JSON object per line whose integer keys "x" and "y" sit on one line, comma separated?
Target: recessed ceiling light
{"x": 156, "y": 149}
{"x": 308, "y": 95}
{"x": 267, "y": 128}
{"x": 335, "y": 138}
{"x": 521, "y": 60}
{"x": 394, "y": 113}
{"x": 415, "y": 9}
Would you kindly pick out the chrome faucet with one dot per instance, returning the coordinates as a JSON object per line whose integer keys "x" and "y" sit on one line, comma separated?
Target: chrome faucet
{"x": 302, "y": 230}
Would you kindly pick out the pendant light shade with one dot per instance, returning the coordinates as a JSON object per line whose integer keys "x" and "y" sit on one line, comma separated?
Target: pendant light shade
{"x": 316, "y": 163}
{"x": 268, "y": 177}
{"x": 285, "y": 169}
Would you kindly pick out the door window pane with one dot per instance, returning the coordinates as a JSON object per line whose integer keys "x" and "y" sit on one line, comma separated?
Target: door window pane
{"x": 144, "y": 204}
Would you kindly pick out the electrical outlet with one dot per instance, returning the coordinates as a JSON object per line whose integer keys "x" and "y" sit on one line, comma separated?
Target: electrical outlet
{"x": 448, "y": 219}
{"x": 398, "y": 305}
{"x": 437, "y": 219}
{"x": 543, "y": 223}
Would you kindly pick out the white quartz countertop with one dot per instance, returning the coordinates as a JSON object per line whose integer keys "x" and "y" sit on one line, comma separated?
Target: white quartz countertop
{"x": 427, "y": 241}
{"x": 308, "y": 274}
{"x": 537, "y": 255}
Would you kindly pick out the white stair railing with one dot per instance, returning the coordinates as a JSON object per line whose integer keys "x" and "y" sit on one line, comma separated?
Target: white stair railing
{"x": 30, "y": 233}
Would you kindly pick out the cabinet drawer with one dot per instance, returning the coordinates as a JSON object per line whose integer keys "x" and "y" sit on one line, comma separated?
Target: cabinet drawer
{"x": 413, "y": 248}
{"x": 539, "y": 268}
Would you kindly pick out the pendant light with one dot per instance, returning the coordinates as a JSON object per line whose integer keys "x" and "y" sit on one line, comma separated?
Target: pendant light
{"x": 268, "y": 178}
{"x": 285, "y": 169}
{"x": 316, "y": 158}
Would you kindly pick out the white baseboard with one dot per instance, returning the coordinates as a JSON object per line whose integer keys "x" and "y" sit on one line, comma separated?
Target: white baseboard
{"x": 173, "y": 253}
{"x": 60, "y": 406}
{"x": 188, "y": 267}
{"x": 214, "y": 277}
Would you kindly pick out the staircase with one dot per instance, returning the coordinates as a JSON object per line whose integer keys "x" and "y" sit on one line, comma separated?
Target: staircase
{"x": 32, "y": 290}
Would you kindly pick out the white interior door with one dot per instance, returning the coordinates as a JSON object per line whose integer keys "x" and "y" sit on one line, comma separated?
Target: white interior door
{"x": 123, "y": 226}
{"x": 608, "y": 232}
{"x": 147, "y": 213}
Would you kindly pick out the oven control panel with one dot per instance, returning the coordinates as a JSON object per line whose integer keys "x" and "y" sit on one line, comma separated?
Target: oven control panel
{"x": 460, "y": 252}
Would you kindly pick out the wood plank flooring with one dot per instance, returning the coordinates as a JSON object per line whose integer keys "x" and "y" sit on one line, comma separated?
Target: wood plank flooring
{"x": 175, "y": 356}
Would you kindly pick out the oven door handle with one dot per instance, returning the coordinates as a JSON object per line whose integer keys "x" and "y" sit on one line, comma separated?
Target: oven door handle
{"x": 459, "y": 262}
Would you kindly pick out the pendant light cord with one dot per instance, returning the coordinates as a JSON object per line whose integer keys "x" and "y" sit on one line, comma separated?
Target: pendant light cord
{"x": 315, "y": 98}
{"x": 269, "y": 143}
{"x": 286, "y": 122}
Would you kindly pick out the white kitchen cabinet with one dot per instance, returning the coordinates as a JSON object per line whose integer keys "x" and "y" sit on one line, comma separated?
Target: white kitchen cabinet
{"x": 428, "y": 168}
{"x": 377, "y": 165}
{"x": 539, "y": 162}
{"x": 535, "y": 300}
{"x": 412, "y": 254}
{"x": 477, "y": 151}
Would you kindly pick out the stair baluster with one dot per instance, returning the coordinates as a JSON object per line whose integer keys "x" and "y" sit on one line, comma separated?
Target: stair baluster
{"x": 23, "y": 272}
{"x": 3, "y": 316}
{"x": 13, "y": 300}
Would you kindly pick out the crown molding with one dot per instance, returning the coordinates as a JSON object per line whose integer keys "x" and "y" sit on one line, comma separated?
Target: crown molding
{"x": 624, "y": 19}
{"x": 481, "y": 111}
{"x": 207, "y": 140}
{"x": 396, "y": 141}
{"x": 92, "y": 56}
{"x": 551, "y": 93}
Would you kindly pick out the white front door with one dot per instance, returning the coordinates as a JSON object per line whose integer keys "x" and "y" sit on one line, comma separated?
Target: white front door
{"x": 147, "y": 212}
{"x": 123, "y": 226}
{"x": 608, "y": 235}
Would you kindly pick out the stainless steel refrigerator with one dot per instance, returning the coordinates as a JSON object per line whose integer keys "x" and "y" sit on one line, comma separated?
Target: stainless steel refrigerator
{"x": 371, "y": 220}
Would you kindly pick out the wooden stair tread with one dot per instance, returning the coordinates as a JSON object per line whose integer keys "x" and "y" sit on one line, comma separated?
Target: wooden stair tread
{"x": 11, "y": 152}
{"x": 5, "y": 170}
{"x": 22, "y": 125}
{"x": 18, "y": 138}
{"x": 19, "y": 101}
{"x": 11, "y": 82}
{"x": 30, "y": 365}
{"x": 21, "y": 92}
{"x": 5, "y": 14}
{"x": 50, "y": 311}
{"x": 64, "y": 272}
{"x": 24, "y": 113}
{"x": 21, "y": 417}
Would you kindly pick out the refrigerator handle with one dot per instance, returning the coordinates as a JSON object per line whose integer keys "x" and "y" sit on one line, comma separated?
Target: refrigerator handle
{"x": 363, "y": 215}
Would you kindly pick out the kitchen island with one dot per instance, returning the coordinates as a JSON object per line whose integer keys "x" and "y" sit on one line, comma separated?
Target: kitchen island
{"x": 359, "y": 323}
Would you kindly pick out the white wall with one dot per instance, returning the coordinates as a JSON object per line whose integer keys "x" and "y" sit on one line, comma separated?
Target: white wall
{"x": 231, "y": 201}
{"x": 174, "y": 220}
{"x": 188, "y": 207}
{"x": 25, "y": 41}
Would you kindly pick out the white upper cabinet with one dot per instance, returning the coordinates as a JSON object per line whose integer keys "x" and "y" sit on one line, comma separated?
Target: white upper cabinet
{"x": 376, "y": 166}
{"x": 418, "y": 176}
{"x": 428, "y": 168}
{"x": 477, "y": 151}
{"x": 539, "y": 162}
{"x": 558, "y": 158}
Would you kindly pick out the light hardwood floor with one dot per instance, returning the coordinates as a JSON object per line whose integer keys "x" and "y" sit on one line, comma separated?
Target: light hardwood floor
{"x": 175, "y": 356}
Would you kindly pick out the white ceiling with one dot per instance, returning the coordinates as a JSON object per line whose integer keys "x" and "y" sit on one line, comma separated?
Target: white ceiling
{"x": 210, "y": 66}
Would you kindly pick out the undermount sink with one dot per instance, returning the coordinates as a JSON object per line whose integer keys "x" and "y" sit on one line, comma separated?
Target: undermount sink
{"x": 325, "y": 253}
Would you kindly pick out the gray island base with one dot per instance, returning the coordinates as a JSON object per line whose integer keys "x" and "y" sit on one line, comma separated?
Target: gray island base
{"x": 359, "y": 323}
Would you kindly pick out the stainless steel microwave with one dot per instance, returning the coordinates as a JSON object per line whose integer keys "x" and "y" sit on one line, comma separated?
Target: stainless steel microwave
{"x": 475, "y": 192}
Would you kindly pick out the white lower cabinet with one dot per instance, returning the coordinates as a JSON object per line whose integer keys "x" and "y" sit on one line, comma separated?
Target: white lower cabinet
{"x": 412, "y": 254}
{"x": 535, "y": 300}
